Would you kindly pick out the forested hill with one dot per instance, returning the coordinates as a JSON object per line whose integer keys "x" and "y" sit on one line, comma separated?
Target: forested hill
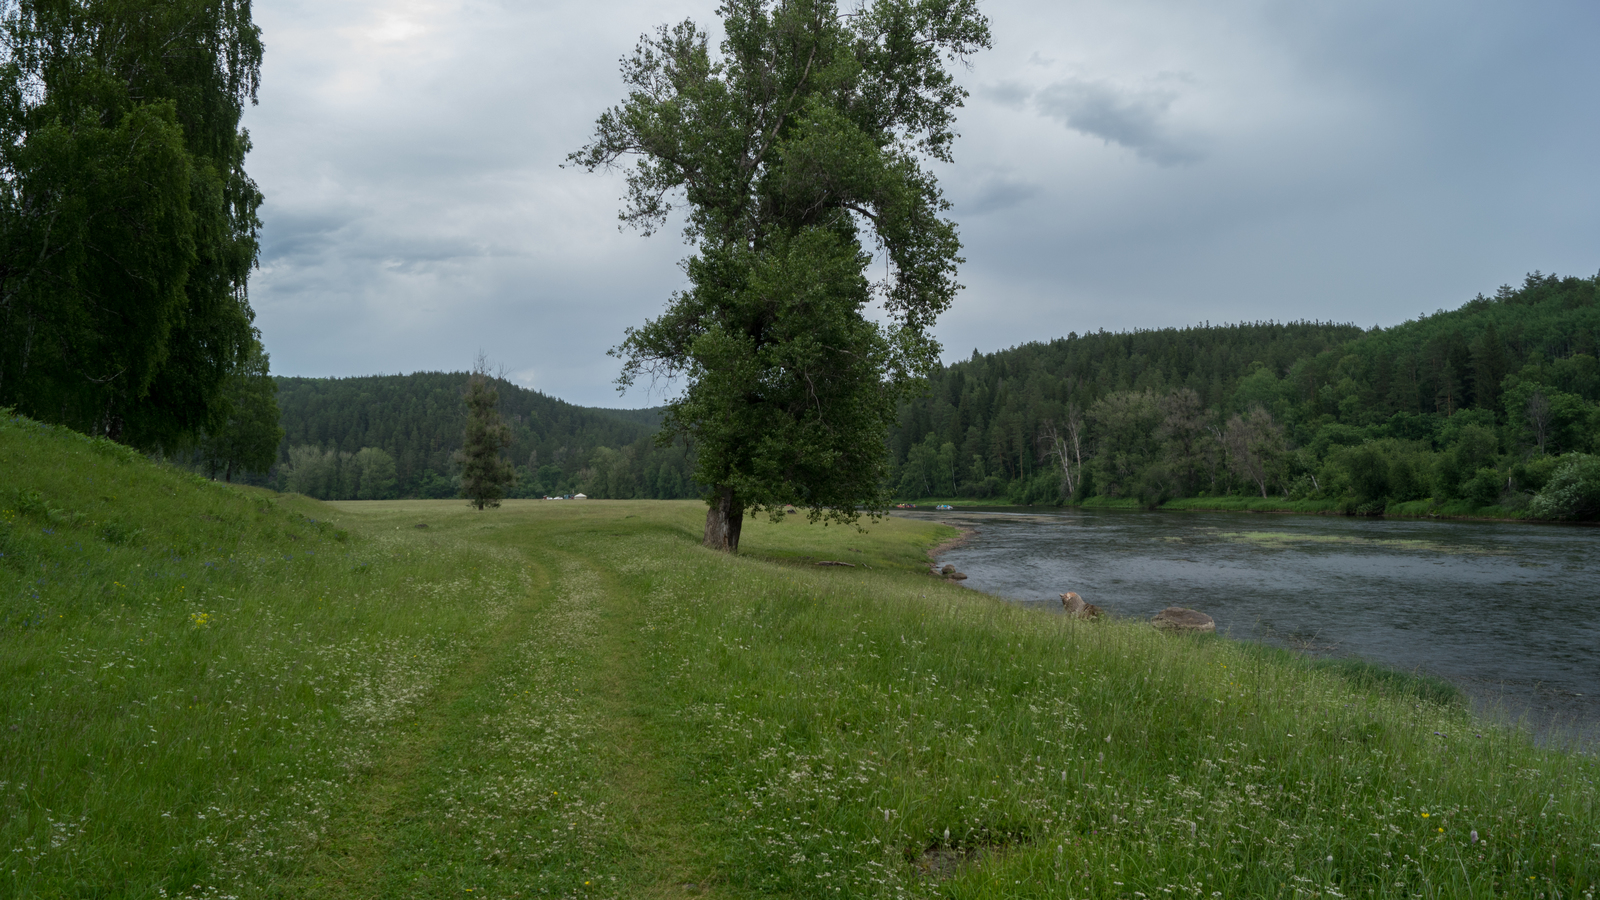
{"x": 1474, "y": 405}
{"x": 992, "y": 406}
{"x": 417, "y": 421}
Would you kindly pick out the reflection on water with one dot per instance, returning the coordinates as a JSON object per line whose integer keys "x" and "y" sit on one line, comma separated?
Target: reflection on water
{"x": 1509, "y": 612}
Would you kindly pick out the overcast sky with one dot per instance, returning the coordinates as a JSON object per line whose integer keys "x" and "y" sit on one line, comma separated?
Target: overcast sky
{"x": 1122, "y": 165}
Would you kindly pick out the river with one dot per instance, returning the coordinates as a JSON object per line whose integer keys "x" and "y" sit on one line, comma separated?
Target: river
{"x": 1508, "y": 612}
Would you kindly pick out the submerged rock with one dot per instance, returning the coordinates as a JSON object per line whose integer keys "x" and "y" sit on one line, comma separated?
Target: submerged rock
{"x": 1176, "y": 618}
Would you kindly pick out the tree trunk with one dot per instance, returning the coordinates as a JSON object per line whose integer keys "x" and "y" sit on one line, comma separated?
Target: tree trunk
{"x": 723, "y": 521}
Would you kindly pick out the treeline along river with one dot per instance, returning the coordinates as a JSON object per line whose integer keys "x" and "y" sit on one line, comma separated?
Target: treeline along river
{"x": 1508, "y": 612}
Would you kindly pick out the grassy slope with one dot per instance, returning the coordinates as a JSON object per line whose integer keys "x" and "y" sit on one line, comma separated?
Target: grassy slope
{"x": 212, "y": 691}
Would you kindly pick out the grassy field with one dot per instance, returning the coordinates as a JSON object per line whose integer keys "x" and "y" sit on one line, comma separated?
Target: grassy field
{"x": 218, "y": 692}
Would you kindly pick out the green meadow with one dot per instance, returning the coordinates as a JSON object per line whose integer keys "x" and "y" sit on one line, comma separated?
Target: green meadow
{"x": 214, "y": 691}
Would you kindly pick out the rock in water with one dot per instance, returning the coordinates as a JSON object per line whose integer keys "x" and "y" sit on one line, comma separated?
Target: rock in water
{"x": 1176, "y": 618}
{"x": 1076, "y": 608}
{"x": 957, "y": 576}
{"x": 948, "y": 570}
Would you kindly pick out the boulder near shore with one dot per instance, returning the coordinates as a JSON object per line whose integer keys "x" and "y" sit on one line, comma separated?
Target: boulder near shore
{"x": 1076, "y": 608}
{"x": 1176, "y": 618}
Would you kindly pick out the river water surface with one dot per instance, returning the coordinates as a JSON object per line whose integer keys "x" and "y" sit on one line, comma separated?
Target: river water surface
{"x": 1509, "y": 612}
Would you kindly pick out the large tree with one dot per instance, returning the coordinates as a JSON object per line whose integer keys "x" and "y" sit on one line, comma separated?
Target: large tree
{"x": 807, "y": 134}
{"x": 127, "y": 222}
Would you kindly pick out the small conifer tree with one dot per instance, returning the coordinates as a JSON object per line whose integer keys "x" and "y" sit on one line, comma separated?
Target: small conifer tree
{"x": 484, "y": 475}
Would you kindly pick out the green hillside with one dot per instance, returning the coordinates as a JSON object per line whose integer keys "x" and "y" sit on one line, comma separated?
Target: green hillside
{"x": 1479, "y": 411}
{"x": 212, "y": 691}
{"x": 1474, "y": 411}
{"x": 418, "y": 419}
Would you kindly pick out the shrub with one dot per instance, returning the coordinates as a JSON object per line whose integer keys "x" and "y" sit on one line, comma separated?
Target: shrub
{"x": 1369, "y": 473}
{"x": 1483, "y": 488}
{"x": 1573, "y": 492}
{"x": 1533, "y": 474}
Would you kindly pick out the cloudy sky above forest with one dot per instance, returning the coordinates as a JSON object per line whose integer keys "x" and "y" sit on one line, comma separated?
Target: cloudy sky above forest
{"x": 1122, "y": 165}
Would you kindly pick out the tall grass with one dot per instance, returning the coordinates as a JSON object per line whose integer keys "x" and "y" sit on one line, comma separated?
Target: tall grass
{"x": 210, "y": 691}
{"x": 192, "y": 675}
{"x": 858, "y": 733}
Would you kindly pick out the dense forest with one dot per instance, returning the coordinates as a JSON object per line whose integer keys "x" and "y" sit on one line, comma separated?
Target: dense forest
{"x": 388, "y": 436}
{"x": 1481, "y": 406}
{"x": 1476, "y": 410}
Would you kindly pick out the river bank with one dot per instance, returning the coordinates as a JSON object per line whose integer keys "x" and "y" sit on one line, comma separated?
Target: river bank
{"x": 1506, "y": 611}
{"x": 1415, "y": 509}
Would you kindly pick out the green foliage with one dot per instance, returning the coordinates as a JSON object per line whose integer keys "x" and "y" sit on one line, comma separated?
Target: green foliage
{"x": 1533, "y": 474}
{"x": 1368, "y": 469}
{"x": 1547, "y": 419}
{"x": 1573, "y": 491}
{"x": 484, "y": 474}
{"x": 929, "y": 470}
{"x": 127, "y": 222}
{"x": 247, "y": 436}
{"x": 806, "y": 133}
{"x": 337, "y": 475}
{"x": 1125, "y": 423}
{"x": 377, "y": 474}
{"x": 419, "y": 421}
{"x": 1484, "y": 487}
{"x": 992, "y": 407}
{"x": 1464, "y": 409}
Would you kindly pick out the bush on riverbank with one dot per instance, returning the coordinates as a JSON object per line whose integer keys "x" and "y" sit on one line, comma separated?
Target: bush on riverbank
{"x": 1573, "y": 491}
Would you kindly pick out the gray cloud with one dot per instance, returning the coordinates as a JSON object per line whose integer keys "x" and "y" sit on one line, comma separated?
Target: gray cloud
{"x": 1357, "y": 161}
{"x": 1012, "y": 94}
{"x": 996, "y": 193}
{"x": 1136, "y": 119}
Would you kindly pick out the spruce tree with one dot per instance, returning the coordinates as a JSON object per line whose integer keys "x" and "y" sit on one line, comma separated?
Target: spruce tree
{"x": 484, "y": 475}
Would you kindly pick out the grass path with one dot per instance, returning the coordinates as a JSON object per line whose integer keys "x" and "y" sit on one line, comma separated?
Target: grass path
{"x": 543, "y": 730}
{"x": 658, "y": 828}
{"x": 363, "y": 855}
{"x": 214, "y": 693}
